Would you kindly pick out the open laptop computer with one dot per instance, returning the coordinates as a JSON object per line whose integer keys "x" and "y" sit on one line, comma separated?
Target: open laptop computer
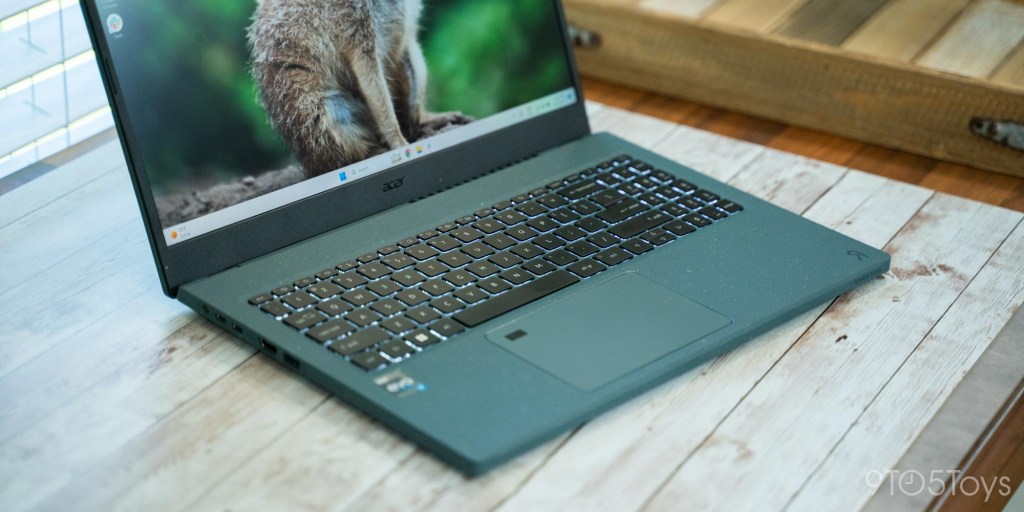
{"x": 406, "y": 206}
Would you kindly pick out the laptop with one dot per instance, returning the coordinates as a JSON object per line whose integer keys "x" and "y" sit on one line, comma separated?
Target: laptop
{"x": 405, "y": 205}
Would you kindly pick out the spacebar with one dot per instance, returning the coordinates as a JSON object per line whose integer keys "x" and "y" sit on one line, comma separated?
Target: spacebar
{"x": 521, "y": 296}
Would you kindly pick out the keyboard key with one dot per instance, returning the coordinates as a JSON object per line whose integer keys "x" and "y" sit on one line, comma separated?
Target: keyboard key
{"x": 674, "y": 210}
{"x": 482, "y": 269}
{"x": 622, "y": 210}
{"x": 447, "y": 327}
{"x": 468, "y": 219}
{"x": 330, "y": 330}
{"x": 260, "y": 299}
{"x": 283, "y": 290}
{"x": 690, "y": 203}
{"x": 552, "y": 201}
{"x": 531, "y": 209}
{"x": 651, "y": 199}
{"x": 427, "y": 235}
{"x": 362, "y": 317}
{"x": 585, "y": 207}
{"x": 561, "y": 257}
{"x": 705, "y": 196}
{"x": 505, "y": 260}
{"x": 423, "y": 314}
{"x": 499, "y": 241}
{"x": 299, "y": 300}
{"x": 408, "y": 277}
{"x": 539, "y": 267}
{"x": 542, "y": 224}
{"x": 304, "y": 319}
{"x": 432, "y": 268}
{"x": 447, "y": 226}
{"x": 521, "y": 233}
{"x": 603, "y": 240}
{"x": 682, "y": 185}
{"x": 696, "y": 220}
{"x": 564, "y": 216}
{"x": 374, "y": 270}
{"x": 421, "y": 252}
{"x": 368, "y": 257}
{"x": 398, "y": 324}
{"x": 396, "y": 349}
{"x": 387, "y": 249}
{"x": 447, "y": 304}
{"x": 549, "y": 242}
{"x": 668, "y": 192}
{"x": 467, "y": 234}
{"x": 607, "y": 198}
{"x": 454, "y": 259}
{"x": 275, "y": 308}
{"x": 350, "y": 280}
{"x": 508, "y": 301}
{"x": 713, "y": 213}
{"x": 516, "y": 276}
{"x": 459, "y": 277}
{"x": 591, "y": 225}
{"x": 388, "y": 307}
{"x": 412, "y": 297}
{"x": 679, "y": 228}
{"x": 728, "y": 205}
{"x": 470, "y": 294}
{"x": 571, "y": 233}
{"x": 370, "y": 360}
{"x": 510, "y": 218}
{"x": 581, "y": 248}
{"x": 504, "y": 205}
{"x": 346, "y": 266}
{"x": 359, "y": 341}
{"x": 613, "y": 256}
{"x": 436, "y": 287}
{"x": 383, "y": 287}
{"x": 359, "y": 297}
{"x": 639, "y": 224}
{"x": 586, "y": 268}
{"x": 478, "y": 250}
{"x": 661, "y": 176}
{"x": 326, "y": 274}
{"x": 581, "y": 190}
{"x": 324, "y": 290}
{"x": 487, "y": 226}
{"x": 334, "y": 307}
{"x": 494, "y": 285}
{"x": 658, "y": 237}
{"x": 444, "y": 243}
{"x": 527, "y": 251}
{"x": 304, "y": 282}
{"x": 408, "y": 242}
{"x": 422, "y": 338}
{"x": 398, "y": 261}
{"x": 636, "y": 246}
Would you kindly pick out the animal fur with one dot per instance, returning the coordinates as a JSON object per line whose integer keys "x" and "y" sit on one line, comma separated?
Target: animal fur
{"x": 343, "y": 80}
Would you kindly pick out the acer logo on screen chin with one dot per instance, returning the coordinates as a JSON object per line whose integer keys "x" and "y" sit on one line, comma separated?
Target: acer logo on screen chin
{"x": 394, "y": 185}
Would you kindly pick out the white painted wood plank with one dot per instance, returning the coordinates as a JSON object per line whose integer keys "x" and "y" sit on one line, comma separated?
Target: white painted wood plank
{"x": 979, "y": 40}
{"x": 689, "y": 9}
{"x": 883, "y": 433}
{"x": 644, "y": 131}
{"x": 714, "y": 155}
{"x": 56, "y": 184}
{"x": 77, "y": 435}
{"x": 638, "y": 445}
{"x": 786, "y": 425}
{"x": 171, "y": 463}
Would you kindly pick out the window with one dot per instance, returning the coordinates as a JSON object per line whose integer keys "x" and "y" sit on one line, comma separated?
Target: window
{"x": 51, "y": 95}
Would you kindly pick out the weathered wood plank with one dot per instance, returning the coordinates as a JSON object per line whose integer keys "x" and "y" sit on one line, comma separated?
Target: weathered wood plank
{"x": 640, "y": 130}
{"x": 1011, "y": 72}
{"x": 901, "y": 29}
{"x": 753, "y": 15}
{"x": 200, "y": 443}
{"x": 681, "y": 8}
{"x": 840, "y": 364}
{"x": 979, "y": 40}
{"x": 896, "y": 417}
{"x": 638, "y": 445}
{"x": 714, "y": 155}
{"x": 827, "y": 21}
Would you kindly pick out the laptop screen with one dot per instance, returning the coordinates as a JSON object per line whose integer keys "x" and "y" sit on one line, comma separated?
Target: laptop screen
{"x": 239, "y": 107}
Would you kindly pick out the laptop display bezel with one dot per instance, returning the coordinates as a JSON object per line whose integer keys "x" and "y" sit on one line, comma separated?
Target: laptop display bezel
{"x": 254, "y": 237}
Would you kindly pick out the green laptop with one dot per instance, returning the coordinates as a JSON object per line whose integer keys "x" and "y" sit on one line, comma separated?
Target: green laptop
{"x": 402, "y": 202}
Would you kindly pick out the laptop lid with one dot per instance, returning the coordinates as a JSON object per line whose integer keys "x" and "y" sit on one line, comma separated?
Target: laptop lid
{"x": 249, "y": 126}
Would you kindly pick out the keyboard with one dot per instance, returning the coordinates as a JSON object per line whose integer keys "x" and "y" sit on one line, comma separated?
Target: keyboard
{"x": 398, "y": 301}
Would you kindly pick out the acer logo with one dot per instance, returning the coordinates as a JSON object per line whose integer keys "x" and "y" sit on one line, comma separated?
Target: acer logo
{"x": 392, "y": 185}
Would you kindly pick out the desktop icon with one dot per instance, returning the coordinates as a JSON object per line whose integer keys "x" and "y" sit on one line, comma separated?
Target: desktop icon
{"x": 342, "y": 176}
{"x": 419, "y": 150}
{"x": 114, "y": 23}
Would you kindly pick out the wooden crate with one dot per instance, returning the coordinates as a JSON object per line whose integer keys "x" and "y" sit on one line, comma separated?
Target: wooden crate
{"x": 906, "y": 74}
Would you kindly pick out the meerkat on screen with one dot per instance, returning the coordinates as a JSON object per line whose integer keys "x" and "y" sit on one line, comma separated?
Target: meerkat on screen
{"x": 343, "y": 80}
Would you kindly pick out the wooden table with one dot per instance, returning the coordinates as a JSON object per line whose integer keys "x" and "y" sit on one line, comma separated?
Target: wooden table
{"x": 117, "y": 398}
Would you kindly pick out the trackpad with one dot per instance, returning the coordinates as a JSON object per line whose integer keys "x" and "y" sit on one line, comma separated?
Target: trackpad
{"x": 601, "y": 334}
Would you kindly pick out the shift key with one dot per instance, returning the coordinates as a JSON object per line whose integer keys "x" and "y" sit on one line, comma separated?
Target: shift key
{"x": 638, "y": 225}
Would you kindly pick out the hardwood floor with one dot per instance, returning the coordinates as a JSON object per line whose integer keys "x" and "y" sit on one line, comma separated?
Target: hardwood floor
{"x": 960, "y": 180}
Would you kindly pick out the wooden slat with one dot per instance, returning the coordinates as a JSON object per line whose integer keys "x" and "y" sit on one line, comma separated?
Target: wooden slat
{"x": 681, "y": 8}
{"x": 888, "y": 104}
{"x": 840, "y": 364}
{"x": 640, "y": 130}
{"x": 754, "y": 15}
{"x": 979, "y": 41}
{"x": 827, "y": 21}
{"x": 901, "y": 29}
{"x": 897, "y": 415}
{"x": 1011, "y": 72}
{"x": 638, "y": 445}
